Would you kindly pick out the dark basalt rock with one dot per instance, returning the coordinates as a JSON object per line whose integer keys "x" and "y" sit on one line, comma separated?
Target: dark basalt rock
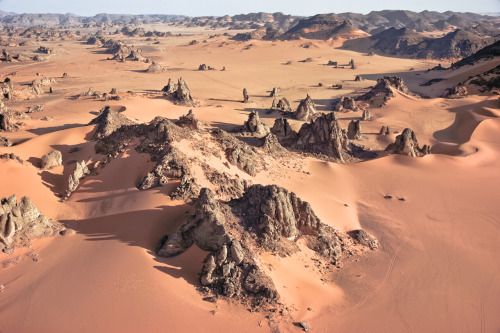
{"x": 189, "y": 121}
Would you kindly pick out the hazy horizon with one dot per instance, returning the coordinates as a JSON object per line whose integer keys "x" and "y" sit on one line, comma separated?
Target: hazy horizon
{"x": 226, "y": 7}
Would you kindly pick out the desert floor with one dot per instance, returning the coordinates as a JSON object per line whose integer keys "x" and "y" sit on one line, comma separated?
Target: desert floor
{"x": 437, "y": 269}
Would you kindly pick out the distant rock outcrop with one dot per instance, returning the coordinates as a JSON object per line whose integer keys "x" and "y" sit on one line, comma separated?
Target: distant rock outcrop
{"x": 323, "y": 27}
{"x": 52, "y": 159}
{"x": 246, "y": 98}
{"x": 324, "y": 136}
{"x": 306, "y": 110}
{"x": 179, "y": 93}
{"x": 457, "y": 92}
{"x": 108, "y": 121}
{"x": 255, "y": 126}
{"x": 189, "y": 121}
{"x": 382, "y": 92}
{"x": 4, "y": 142}
{"x": 346, "y": 104}
{"x": 406, "y": 144}
{"x": 7, "y": 122}
{"x": 155, "y": 68}
{"x": 21, "y": 222}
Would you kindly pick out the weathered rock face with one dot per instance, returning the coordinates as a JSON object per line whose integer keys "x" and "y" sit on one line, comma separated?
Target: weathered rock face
{"x": 275, "y": 217}
{"x": 382, "y": 92}
{"x": 284, "y": 105}
{"x": 189, "y": 121}
{"x": 179, "y": 93}
{"x": 406, "y": 144}
{"x": 20, "y": 222}
{"x": 457, "y": 92}
{"x": 109, "y": 121}
{"x": 4, "y": 142}
{"x": 155, "y": 68}
{"x": 354, "y": 130}
{"x": 324, "y": 136}
{"x": 237, "y": 152}
{"x": 255, "y": 126}
{"x": 7, "y": 122}
{"x": 306, "y": 110}
{"x": 52, "y": 159}
{"x": 346, "y": 104}
{"x": 271, "y": 145}
{"x": 246, "y": 98}
{"x": 78, "y": 173}
{"x": 282, "y": 129}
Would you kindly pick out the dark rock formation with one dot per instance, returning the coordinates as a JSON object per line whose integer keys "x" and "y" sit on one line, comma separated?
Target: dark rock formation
{"x": 363, "y": 238}
{"x": 457, "y": 92}
{"x": 324, "y": 136}
{"x": 7, "y": 122}
{"x": 52, "y": 159}
{"x": 237, "y": 152}
{"x": 358, "y": 78}
{"x": 4, "y": 142}
{"x": 155, "y": 68}
{"x": 170, "y": 88}
{"x": 78, "y": 173}
{"x": 189, "y": 121}
{"x": 366, "y": 115}
{"x": 306, "y": 110}
{"x": 382, "y": 92}
{"x": 246, "y": 98}
{"x": 354, "y": 130}
{"x": 346, "y": 104}
{"x": 179, "y": 93}
{"x": 272, "y": 146}
{"x": 406, "y": 144}
{"x": 282, "y": 129}
{"x": 108, "y": 121}
{"x": 21, "y": 222}
{"x": 274, "y": 92}
{"x": 204, "y": 67}
{"x": 35, "y": 108}
{"x": 255, "y": 126}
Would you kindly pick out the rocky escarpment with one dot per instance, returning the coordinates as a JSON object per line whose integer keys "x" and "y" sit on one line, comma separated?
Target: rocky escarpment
{"x": 324, "y": 136}
{"x": 108, "y": 121}
{"x": 21, "y": 221}
{"x": 407, "y": 144}
{"x": 265, "y": 218}
{"x": 382, "y": 92}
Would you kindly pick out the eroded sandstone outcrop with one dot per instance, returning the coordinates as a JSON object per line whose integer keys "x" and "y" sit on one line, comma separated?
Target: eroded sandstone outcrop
{"x": 346, "y": 104}
{"x": 407, "y": 144}
{"x": 189, "y": 120}
{"x": 382, "y": 92}
{"x": 237, "y": 152}
{"x": 179, "y": 93}
{"x": 4, "y": 142}
{"x": 306, "y": 110}
{"x": 324, "y": 136}
{"x": 79, "y": 172}
{"x": 22, "y": 221}
{"x": 354, "y": 130}
{"x": 155, "y": 68}
{"x": 109, "y": 121}
{"x": 52, "y": 159}
{"x": 282, "y": 129}
{"x": 255, "y": 126}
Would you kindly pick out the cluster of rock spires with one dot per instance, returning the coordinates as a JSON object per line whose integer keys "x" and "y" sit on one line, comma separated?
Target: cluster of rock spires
{"x": 265, "y": 218}
{"x": 178, "y": 93}
{"x": 382, "y": 92}
{"x": 21, "y": 221}
{"x": 346, "y": 104}
{"x": 306, "y": 110}
{"x": 407, "y": 144}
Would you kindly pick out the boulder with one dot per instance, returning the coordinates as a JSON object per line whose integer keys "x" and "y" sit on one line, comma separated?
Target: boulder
{"x": 306, "y": 110}
{"x": 155, "y": 68}
{"x": 74, "y": 179}
{"x": 354, "y": 130}
{"x": 246, "y": 98}
{"x": 255, "y": 126}
{"x": 52, "y": 159}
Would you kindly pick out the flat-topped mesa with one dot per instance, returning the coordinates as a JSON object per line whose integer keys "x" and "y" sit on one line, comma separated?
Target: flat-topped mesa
{"x": 21, "y": 222}
{"x": 283, "y": 130}
{"x": 109, "y": 121}
{"x": 155, "y": 68}
{"x": 246, "y": 98}
{"x": 382, "y": 92}
{"x": 354, "y": 130}
{"x": 406, "y": 144}
{"x": 324, "y": 136}
{"x": 346, "y": 104}
{"x": 255, "y": 126}
{"x": 306, "y": 110}
{"x": 80, "y": 171}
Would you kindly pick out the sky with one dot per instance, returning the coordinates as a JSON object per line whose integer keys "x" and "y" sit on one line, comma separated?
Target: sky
{"x": 232, "y": 7}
